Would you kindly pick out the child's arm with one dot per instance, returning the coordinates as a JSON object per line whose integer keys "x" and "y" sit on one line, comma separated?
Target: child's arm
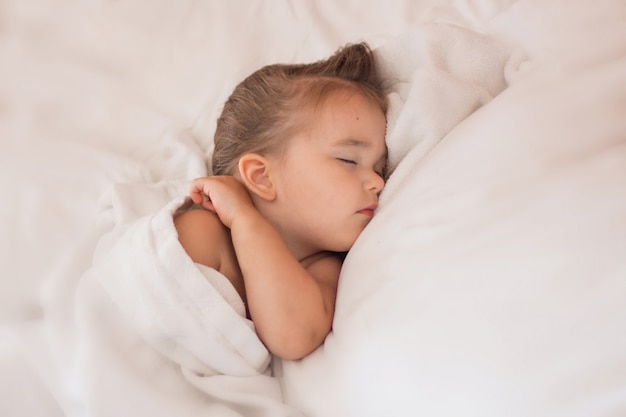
{"x": 292, "y": 306}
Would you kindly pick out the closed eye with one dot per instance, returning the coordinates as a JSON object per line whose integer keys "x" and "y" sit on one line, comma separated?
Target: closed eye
{"x": 347, "y": 161}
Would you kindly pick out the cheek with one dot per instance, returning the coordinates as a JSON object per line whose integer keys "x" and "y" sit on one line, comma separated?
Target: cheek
{"x": 344, "y": 179}
{"x": 300, "y": 189}
{"x": 314, "y": 196}
{"x": 316, "y": 184}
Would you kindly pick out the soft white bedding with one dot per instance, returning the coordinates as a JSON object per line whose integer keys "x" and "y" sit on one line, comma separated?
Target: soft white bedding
{"x": 491, "y": 281}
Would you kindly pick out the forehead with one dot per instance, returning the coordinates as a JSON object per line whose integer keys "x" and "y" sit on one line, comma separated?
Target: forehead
{"x": 351, "y": 109}
{"x": 349, "y": 121}
{"x": 329, "y": 92}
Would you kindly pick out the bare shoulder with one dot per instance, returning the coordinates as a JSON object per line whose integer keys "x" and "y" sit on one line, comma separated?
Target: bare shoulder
{"x": 325, "y": 268}
{"x": 203, "y": 236}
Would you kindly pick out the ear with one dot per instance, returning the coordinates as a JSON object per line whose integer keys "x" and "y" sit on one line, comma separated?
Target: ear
{"x": 256, "y": 173}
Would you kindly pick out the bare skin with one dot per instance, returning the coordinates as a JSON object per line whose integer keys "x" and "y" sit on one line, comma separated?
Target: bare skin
{"x": 278, "y": 230}
{"x": 295, "y": 293}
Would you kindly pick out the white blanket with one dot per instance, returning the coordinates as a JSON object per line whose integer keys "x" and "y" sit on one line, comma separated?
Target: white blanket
{"x": 153, "y": 334}
{"x": 179, "y": 310}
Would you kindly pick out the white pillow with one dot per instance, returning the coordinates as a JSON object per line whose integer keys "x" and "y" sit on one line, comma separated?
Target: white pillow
{"x": 492, "y": 281}
{"x": 437, "y": 74}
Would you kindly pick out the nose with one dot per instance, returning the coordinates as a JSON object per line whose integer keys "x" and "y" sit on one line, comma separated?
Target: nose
{"x": 374, "y": 182}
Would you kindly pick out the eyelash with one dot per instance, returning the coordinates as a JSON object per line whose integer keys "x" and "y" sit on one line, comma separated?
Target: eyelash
{"x": 380, "y": 172}
{"x": 347, "y": 161}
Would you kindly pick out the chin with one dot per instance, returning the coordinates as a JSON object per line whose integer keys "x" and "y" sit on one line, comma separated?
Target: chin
{"x": 342, "y": 242}
{"x": 346, "y": 245}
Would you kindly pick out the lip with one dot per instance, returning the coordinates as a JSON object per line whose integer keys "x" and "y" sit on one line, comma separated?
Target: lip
{"x": 368, "y": 211}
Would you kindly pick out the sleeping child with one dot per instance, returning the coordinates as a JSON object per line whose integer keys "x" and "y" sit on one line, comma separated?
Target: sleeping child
{"x": 298, "y": 164}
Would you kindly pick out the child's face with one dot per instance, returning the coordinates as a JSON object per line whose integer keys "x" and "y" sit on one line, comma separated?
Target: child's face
{"x": 331, "y": 175}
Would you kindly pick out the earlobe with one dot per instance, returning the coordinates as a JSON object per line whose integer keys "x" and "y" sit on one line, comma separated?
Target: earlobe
{"x": 256, "y": 173}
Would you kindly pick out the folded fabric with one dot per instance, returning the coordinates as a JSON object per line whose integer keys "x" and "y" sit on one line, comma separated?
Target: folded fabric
{"x": 436, "y": 75}
{"x": 146, "y": 306}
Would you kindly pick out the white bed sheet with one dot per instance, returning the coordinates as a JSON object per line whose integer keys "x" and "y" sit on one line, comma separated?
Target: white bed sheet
{"x": 495, "y": 292}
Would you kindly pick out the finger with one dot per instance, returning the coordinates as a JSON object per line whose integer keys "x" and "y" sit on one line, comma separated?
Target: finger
{"x": 208, "y": 205}
{"x": 196, "y": 196}
{"x": 198, "y": 184}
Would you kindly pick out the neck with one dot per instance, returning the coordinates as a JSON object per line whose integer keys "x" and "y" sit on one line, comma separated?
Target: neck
{"x": 300, "y": 249}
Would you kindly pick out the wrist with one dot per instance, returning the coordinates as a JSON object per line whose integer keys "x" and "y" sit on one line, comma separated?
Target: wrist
{"x": 247, "y": 219}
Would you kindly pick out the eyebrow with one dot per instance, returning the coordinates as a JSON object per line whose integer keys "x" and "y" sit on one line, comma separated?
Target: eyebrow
{"x": 357, "y": 143}
{"x": 352, "y": 142}
{"x": 362, "y": 144}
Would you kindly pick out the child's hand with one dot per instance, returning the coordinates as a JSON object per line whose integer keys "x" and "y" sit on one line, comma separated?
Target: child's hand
{"x": 223, "y": 195}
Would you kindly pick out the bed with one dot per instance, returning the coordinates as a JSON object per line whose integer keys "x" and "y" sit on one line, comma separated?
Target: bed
{"x": 491, "y": 281}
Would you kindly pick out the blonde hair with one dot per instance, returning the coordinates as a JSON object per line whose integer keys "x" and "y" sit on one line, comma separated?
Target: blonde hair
{"x": 270, "y": 105}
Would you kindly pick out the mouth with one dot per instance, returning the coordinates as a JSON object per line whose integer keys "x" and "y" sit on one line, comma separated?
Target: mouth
{"x": 368, "y": 211}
